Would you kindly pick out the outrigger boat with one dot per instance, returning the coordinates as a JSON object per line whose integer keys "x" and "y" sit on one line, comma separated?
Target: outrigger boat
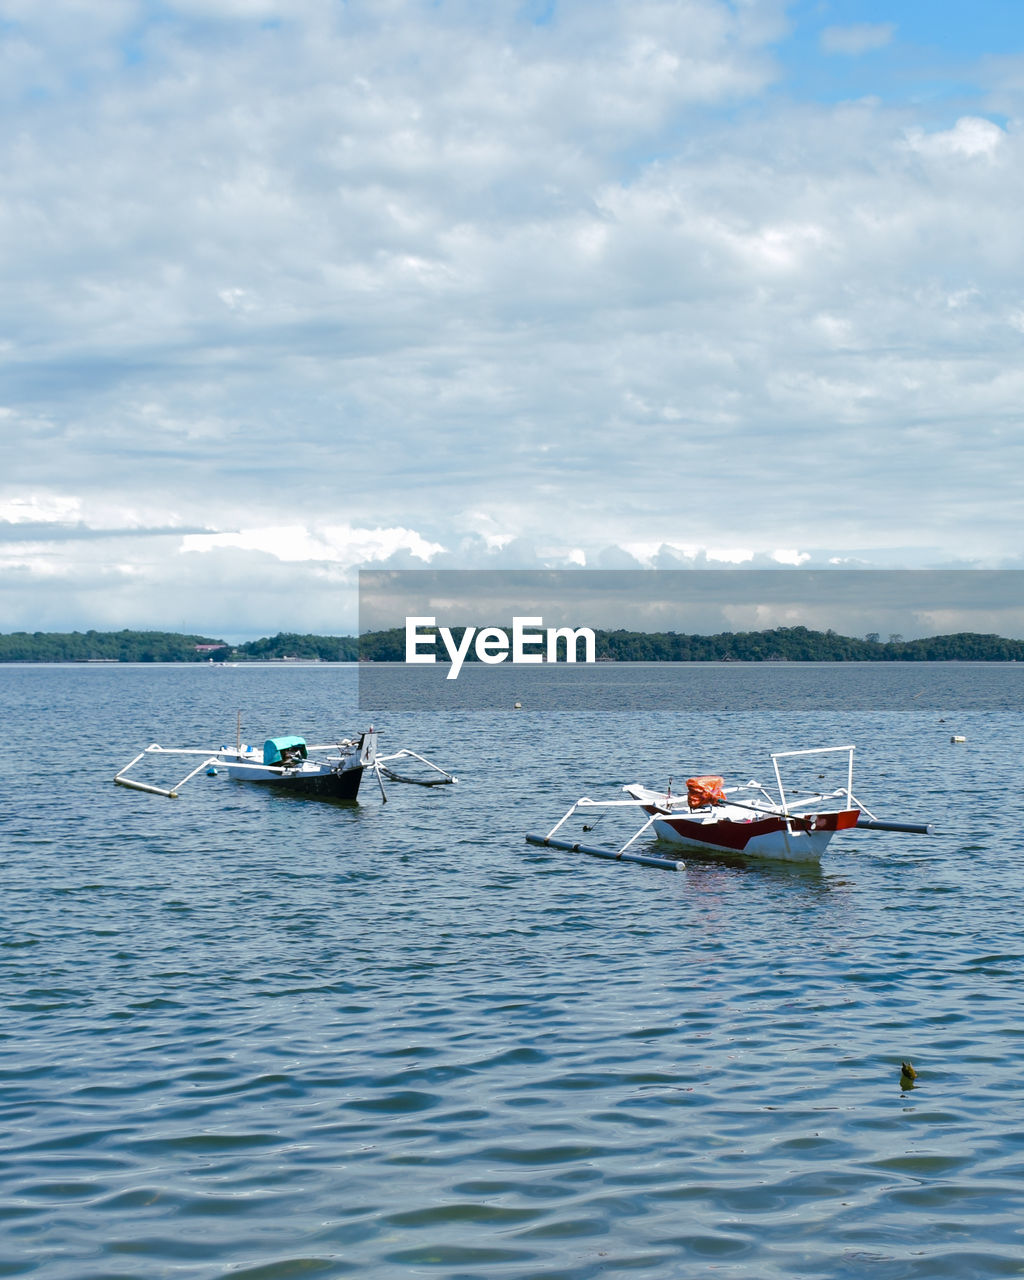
{"x": 331, "y": 770}
{"x": 742, "y": 821}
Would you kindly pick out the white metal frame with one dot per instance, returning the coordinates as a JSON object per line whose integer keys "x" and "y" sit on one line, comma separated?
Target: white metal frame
{"x": 851, "y": 800}
{"x": 172, "y": 792}
{"x": 586, "y": 803}
{"x": 406, "y": 753}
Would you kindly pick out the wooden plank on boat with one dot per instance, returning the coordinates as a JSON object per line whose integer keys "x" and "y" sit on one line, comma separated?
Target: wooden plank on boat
{"x": 573, "y": 846}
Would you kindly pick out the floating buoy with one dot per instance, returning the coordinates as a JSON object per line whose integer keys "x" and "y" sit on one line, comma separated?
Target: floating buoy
{"x": 212, "y": 771}
{"x": 517, "y": 706}
{"x": 958, "y": 737}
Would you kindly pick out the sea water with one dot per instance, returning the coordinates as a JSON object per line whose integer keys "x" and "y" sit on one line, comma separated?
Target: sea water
{"x": 250, "y": 1035}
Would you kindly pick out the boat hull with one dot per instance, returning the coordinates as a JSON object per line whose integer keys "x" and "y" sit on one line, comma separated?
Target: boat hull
{"x": 329, "y": 786}
{"x": 327, "y": 783}
{"x": 803, "y": 839}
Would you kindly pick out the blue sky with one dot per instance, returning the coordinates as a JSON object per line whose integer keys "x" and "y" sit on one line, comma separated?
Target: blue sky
{"x": 935, "y": 56}
{"x": 294, "y": 289}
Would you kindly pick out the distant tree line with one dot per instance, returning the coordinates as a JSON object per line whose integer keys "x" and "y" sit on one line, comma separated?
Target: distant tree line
{"x": 166, "y": 646}
{"x": 783, "y": 644}
{"x": 306, "y": 648}
{"x": 799, "y": 644}
{"x": 102, "y": 646}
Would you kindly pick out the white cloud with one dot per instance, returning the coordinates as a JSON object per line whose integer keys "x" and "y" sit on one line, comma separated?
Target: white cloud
{"x": 857, "y": 38}
{"x": 970, "y": 137}
{"x": 307, "y": 286}
{"x": 36, "y": 508}
{"x": 340, "y": 546}
{"x": 730, "y": 555}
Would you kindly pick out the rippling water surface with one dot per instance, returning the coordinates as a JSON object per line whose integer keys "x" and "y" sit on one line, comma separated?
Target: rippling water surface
{"x": 247, "y": 1035}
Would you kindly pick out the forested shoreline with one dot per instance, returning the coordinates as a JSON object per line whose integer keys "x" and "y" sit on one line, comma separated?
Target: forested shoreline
{"x": 781, "y": 644}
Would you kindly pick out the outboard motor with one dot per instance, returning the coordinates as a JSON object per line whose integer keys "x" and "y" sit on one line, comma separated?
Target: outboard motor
{"x": 368, "y": 748}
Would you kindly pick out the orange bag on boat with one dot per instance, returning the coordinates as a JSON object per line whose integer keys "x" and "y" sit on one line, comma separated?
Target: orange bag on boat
{"x": 708, "y": 789}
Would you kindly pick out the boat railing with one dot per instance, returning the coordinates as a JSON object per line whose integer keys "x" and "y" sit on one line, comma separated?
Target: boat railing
{"x": 776, "y": 756}
{"x": 857, "y": 804}
{"x": 801, "y": 799}
{"x": 749, "y": 786}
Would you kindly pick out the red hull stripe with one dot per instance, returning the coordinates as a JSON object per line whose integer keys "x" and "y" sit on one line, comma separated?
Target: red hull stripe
{"x": 726, "y": 834}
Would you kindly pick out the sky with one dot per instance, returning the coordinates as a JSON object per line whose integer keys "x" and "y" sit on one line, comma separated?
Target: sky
{"x": 294, "y": 288}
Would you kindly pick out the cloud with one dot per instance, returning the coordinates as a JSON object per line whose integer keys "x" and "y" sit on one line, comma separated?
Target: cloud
{"x": 857, "y": 38}
{"x": 969, "y": 137}
{"x": 339, "y": 546}
{"x": 913, "y": 603}
{"x": 246, "y": 583}
{"x": 39, "y": 509}
{"x": 291, "y": 288}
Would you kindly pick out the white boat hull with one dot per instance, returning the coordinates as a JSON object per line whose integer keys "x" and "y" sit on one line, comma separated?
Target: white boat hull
{"x": 341, "y": 783}
{"x": 741, "y": 831}
{"x": 335, "y": 776}
{"x": 772, "y": 838}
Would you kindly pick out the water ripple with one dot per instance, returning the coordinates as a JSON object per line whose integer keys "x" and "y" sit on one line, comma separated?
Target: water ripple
{"x": 259, "y": 1039}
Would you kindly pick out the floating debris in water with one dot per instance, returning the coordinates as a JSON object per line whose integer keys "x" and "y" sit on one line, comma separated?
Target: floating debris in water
{"x": 907, "y": 1075}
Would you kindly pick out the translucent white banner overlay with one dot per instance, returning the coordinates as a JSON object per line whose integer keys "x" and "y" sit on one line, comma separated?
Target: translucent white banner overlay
{"x": 447, "y": 627}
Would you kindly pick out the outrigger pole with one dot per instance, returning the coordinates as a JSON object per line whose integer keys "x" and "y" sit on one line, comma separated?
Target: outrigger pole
{"x": 382, "y": 762}
{"x": 381, "y": 769}
{"x": 574, "y": 846}
{"x": 172, "y": 792}
{"x": 911, "y": 828}
{"x": 380, "y": 783}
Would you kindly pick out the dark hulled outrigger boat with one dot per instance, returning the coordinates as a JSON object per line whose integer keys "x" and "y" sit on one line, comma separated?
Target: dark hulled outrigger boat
{"x": 330, "y": 770}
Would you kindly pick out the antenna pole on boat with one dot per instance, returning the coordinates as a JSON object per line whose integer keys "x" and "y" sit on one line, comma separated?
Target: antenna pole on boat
{"x": 238, "y": 734}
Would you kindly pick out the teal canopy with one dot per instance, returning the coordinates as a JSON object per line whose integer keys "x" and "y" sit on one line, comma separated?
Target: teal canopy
{"x": 273, "y": 747}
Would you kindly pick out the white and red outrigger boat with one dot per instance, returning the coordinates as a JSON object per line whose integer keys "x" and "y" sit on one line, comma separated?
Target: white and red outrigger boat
{"x": 742, "y": 821}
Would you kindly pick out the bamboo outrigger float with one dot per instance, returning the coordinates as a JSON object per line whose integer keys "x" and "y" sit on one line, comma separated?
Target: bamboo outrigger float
{"x": 329, "y": 770}
{"x": 710, "y": 819}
